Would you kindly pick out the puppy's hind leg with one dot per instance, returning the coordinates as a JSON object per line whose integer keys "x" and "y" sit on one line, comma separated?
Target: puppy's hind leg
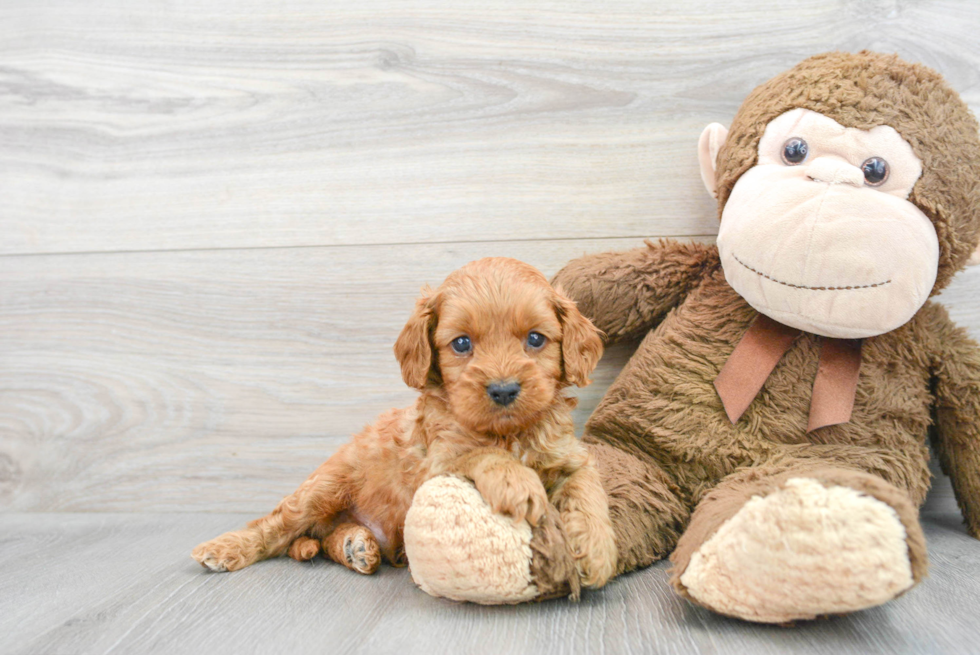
{"x": 322, "y": 496}
{"x": 354, "y": 546}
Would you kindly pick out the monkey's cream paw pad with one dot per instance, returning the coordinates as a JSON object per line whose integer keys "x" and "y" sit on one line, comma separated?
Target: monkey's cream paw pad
{"x": 458, "y": 548}
{"x": 801, "y": 552}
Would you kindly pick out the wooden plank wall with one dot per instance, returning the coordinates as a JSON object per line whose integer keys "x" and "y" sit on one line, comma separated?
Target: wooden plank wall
{"x": 214, "y": 218}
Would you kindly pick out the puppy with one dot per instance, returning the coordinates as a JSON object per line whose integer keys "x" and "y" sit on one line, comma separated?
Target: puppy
{"x": 491, "y": 351}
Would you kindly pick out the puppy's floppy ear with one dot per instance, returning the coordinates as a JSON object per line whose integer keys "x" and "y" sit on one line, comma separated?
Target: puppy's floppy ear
{"x": 413, "y": 349}
{"x": 581, "y": 345}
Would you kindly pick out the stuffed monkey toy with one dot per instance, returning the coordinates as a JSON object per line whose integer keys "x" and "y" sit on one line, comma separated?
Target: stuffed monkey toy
{"x": 770, "y": 432}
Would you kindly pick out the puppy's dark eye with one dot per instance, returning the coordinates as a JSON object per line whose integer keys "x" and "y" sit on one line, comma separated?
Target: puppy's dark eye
{"x": 795, "y": 151}
{"x": 536, "y": 340}
{"x": 461, "y": 345}
{"x": 875, "y": 171}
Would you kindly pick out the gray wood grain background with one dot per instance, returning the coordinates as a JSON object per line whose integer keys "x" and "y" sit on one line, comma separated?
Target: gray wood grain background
{"x": 214, "y": 219}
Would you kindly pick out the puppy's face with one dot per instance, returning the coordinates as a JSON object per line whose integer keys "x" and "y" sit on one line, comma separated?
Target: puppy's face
{"x": 500, "y": 341}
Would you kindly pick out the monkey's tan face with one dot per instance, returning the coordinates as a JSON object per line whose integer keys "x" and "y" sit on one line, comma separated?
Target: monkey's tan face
{"x": 820, "y": 235}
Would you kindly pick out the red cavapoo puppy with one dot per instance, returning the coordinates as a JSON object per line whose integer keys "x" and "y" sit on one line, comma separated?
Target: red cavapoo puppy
{"x": 491, "y": 351}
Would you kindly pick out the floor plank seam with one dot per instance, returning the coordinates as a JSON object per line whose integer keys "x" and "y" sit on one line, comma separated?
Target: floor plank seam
{"x": 231, "y": 249}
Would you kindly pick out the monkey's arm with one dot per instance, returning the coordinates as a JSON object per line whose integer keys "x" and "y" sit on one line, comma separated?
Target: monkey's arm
{"x": 627, "y": 293}
{"x": 956, "y": 436}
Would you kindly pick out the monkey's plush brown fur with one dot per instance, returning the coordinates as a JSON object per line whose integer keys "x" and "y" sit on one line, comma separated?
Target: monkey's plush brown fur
{"x": 665, "y": 394}
{"x": 523, "y": 455}
{"x": 919, "y": 380}
{"x": 674, "y": 466}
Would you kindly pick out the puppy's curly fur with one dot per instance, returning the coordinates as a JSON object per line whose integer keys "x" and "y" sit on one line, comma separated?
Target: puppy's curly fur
{"x": 521, "y": 452}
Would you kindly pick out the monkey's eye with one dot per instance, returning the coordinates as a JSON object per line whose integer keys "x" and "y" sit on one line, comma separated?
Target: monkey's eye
{"x": 461, "y": 345}
{"x": 535, "y": 340}
{"x": 795, "y": 151}
{"x": 875, "y": 171}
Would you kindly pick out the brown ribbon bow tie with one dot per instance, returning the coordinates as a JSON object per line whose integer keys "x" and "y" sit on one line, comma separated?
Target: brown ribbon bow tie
{"x": 757, "y": 354}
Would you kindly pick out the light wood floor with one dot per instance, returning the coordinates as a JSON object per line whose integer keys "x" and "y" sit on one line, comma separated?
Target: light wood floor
{"x": 214, "y": 219}
{"x": 122, "y": 583}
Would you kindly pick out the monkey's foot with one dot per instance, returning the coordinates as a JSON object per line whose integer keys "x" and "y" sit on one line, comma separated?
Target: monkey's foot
{"x": 802, "y": 551}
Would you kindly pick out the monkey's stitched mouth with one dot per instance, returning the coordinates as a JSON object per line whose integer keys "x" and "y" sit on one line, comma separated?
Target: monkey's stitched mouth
{"x": 802, "y": 286}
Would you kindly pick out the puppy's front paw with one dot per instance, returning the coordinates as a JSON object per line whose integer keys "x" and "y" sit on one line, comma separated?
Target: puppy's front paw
{"x": 229, "y": 552}
{"x": 593, "y": 545}
{"x": 513, "y": 489}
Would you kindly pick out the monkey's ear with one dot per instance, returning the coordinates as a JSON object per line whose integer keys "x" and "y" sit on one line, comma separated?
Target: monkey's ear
{"x": 581, "y": 343}
{"x": 712, "y": 139}
{"x": 413, "y": 349}
{"x": 974, "y": 258}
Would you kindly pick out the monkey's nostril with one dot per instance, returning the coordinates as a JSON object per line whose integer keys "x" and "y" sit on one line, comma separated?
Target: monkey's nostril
{"x": 503, "y": 393}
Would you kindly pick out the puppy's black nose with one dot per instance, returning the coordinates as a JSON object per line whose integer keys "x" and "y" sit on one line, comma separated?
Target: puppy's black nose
{"x": 503, "y": 393}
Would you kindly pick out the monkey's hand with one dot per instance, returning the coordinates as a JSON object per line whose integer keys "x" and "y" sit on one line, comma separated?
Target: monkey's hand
{"x": 625, "y": 294}
{"x": 957, "y": 410}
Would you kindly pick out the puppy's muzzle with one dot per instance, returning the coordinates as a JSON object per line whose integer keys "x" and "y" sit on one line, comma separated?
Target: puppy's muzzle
{"x": 503, "y": 393}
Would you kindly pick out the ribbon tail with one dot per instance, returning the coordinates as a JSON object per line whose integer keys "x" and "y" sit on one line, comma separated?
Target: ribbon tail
{"x": 748, "y": 367}
{"x": 836, "y": 383}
